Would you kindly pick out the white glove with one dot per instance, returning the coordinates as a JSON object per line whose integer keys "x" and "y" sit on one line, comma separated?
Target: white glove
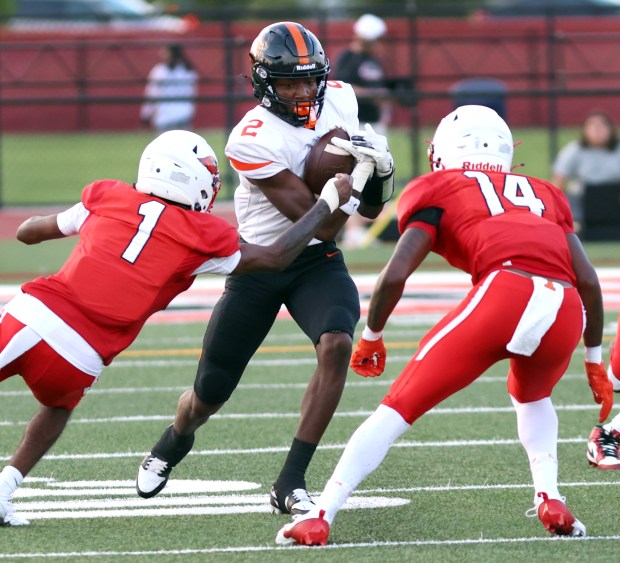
{"x": 369, "y": 144}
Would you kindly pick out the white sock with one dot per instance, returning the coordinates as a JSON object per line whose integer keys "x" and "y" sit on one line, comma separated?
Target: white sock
{"x": 537, "y": 423}
{"x": 364, "y": 452}
{"x": 613, "y": 424}
{"x": 10, "y": 479}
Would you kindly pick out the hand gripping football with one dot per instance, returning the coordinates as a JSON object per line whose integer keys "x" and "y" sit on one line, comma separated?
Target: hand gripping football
{"x": 325, "y": 160}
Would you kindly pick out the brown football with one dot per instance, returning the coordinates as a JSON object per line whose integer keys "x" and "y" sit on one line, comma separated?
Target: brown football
{"x": 325, "y": 160}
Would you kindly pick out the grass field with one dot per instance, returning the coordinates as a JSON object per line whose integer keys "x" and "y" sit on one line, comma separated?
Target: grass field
{"x": 454, "y": 488}
{"x": 53, "y": 168}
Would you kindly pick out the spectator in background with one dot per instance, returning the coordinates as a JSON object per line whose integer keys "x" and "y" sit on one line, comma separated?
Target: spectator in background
{"x": 359, "y": 66}
{"x": 170, "y": 92}
{"x": 593, "y": 159}
{"x": 362, "y": 69}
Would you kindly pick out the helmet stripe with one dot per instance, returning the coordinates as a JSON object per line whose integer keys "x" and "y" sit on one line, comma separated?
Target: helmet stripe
{"x": 300, "y": 42}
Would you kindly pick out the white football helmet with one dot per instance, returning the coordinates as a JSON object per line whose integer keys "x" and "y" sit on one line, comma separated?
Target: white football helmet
{"x": 180, "y": 166}
{"x": 472, "y": 138}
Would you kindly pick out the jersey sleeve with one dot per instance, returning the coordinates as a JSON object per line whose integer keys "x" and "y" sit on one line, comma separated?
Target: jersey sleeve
{"x": 253, "y": 150}
{"x": 564, "y": 214}
{"x": 218, "y": 238}
{"x": 70, "y": 221}
{"x": 415, "y": 209}
{"x": 222, "y": 266}
{"x": 341, "y": 96}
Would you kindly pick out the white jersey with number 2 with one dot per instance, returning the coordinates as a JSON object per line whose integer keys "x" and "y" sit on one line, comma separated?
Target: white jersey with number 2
{"x": 262, "y": 144}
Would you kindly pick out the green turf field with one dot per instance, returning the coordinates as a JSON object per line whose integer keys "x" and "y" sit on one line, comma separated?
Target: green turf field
{"x": 458, "y": 482}
{"x": 455, "y": 488}
{"x": 461, "y": 476}
{"x": 53, "y": 168}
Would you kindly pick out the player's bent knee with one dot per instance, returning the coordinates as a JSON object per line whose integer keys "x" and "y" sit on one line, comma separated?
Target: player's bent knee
{"x": 335, "y": 346}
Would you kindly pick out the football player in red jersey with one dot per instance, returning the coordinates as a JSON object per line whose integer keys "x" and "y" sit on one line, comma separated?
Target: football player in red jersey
{"x": 139, "y": 247}
{"x": 532, "y": 281}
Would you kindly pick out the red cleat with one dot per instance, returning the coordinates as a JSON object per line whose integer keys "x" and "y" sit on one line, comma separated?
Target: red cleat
{"x": 558, "y": 519}
{"x": 305, "y": 530}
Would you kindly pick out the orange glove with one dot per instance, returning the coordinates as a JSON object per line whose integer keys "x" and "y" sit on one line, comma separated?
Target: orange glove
{"x": 602, "y": 389}
{"x": 368, "y": 358}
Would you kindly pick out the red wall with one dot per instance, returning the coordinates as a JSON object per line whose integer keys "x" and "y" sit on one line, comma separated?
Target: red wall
{"x": 108, "y": 69}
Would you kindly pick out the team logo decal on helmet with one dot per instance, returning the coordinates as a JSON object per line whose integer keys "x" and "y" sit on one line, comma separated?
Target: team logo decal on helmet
{"x": 472, "y": 138}
{"x": 180, "y": 166}
{"x": 288, "y": 50}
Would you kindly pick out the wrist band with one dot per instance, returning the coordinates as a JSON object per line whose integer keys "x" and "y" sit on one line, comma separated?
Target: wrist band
{"x": 594, "y": 354}
{"x": 350, "y": 206}
{"x": 329, "y": 194}
{"x": 369, "y": 334}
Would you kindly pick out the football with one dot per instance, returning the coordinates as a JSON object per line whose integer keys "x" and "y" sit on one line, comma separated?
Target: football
{"x": 325, "y": 160}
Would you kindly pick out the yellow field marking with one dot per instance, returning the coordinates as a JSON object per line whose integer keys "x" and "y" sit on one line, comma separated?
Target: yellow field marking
{"x": 270, "y": 349}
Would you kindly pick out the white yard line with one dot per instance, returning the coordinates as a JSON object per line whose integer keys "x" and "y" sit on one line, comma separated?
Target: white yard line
{"x": 284, "y": 449}
{"x": 300, "y": 550}
{"x": 295, "y": 415}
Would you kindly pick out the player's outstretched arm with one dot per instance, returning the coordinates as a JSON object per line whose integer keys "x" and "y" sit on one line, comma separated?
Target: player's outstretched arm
{"x": 290, "y": 195}
{"x": 411, "y": 249}
{"x": 369, "y": 356}
{"x": 289, "y": 244}
{"x": 589, "y": 290}
{"x": 38, "y": 228}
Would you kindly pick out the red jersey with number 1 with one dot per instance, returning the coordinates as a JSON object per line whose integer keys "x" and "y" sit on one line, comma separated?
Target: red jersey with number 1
{"x": 484, "y": 221}
{"x": 135, "y": 254}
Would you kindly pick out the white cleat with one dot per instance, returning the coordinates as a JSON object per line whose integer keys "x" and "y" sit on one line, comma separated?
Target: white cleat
{"x": 8, "y": 516}
{"x": 152, "y": 476}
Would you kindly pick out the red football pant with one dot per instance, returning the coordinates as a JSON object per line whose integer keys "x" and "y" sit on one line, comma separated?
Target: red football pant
{"x": 473, "y": 337}
{"x": 53, "y": 380}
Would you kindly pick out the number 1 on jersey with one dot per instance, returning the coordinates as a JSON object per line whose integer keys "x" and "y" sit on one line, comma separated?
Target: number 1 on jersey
{"x": 517, "y": 190}
{"x": 150, "y": 211}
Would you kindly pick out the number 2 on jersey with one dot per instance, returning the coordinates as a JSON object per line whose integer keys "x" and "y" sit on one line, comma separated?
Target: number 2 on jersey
{"x": 517, "y": 190}
{"x": 150, "y": 211}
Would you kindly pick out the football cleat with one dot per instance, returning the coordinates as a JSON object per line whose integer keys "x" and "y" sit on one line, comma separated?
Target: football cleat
{"x": 305, "y": 529}
{"x": 8, "y": 516}
{"x": 297, "y": 502}
{"x": 558, "y": 519}
{"x": 152, "y": 476}
{"x": 603, "y": 446}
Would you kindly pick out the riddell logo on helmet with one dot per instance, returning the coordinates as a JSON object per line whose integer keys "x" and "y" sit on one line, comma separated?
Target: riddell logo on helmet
{"x": 482, "y": 166}
{"x": 310, "y": 66}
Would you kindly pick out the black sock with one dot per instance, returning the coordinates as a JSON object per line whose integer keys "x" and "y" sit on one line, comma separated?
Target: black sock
{"x": 292, "y": 475}
{"x": 172, "y": 447}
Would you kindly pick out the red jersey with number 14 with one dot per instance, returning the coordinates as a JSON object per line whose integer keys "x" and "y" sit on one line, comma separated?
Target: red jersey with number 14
{"x": 135, "y": 254}
{"x": 484, "y": 221}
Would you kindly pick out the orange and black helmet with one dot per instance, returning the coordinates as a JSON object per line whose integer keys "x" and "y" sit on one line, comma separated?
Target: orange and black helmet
{"x": 288, "y": 50}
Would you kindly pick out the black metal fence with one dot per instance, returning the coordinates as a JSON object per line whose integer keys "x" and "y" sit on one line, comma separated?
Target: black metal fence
{"x": 552, "y": 69}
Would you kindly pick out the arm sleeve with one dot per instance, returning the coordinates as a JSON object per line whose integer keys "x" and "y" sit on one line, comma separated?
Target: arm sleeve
{"x": 427, "y": 219}
{"x": 222, "y": 266}
{"x": 70, "y": 221}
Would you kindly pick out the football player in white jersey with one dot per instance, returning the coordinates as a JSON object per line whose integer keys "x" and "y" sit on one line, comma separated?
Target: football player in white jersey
{"x": 268, "y": 149}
